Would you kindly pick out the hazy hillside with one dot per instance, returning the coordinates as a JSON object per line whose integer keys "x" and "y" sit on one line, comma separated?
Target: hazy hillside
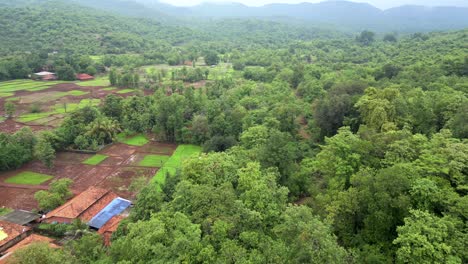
{"x": 350, "y": 15}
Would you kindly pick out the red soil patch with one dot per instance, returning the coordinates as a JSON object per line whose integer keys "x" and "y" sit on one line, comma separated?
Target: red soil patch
{"x": 158, "y": 148}
{"x": 17, "y": 198}
{"x": 119, "y": 150}
{"x": 10, "y": 126}
{"x": 122, "y": 178}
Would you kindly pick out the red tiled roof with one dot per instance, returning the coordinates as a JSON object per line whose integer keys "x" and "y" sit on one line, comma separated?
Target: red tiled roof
{"x": 109, "y": 228}
{"x": 85, "y": 205}
{"x": 12, "y": 231}
{"x": 111, "y": 225}
{"x": 84, "y": 77}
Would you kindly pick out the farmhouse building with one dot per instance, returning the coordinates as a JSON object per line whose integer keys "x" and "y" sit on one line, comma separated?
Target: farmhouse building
{"x": 20, "y": 217}
{"x": 101, "y": 209}
{"x": 45, "y": 76}
{"x": 31, "y": 239}
{"x": 11, "y": 234}
{"x": 84, "y": 77}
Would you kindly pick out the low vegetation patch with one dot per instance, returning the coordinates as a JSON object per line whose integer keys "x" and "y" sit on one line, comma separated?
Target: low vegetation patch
{"x": 156, "y": 161}
{"x": 29, "y": 178}
{"x": 138, "y": 140}
{"x": 4, "y": 211}
{"x": 101, "y": 81}
{"x": 95, "y": 160}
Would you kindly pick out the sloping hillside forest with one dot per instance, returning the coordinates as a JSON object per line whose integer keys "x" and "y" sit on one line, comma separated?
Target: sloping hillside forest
{"x": 320, "y": 146}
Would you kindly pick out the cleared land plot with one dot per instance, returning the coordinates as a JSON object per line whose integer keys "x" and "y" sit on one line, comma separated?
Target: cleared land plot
{"x": 29, "y": 178}
{"x": 95, "y": 160}
{"x": 18, "y": 198}
{"x": 175, "y": 162}
{"x": 137, "y": 140}
{"x": 156, "y": 161}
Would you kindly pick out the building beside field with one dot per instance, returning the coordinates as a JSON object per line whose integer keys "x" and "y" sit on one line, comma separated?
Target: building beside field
{"x": 11, "y": 234}
{"x": 84, "y": 77}
{"x": 45, "y": 76}
{"x": 101, "y": 209}
{"x": 20, "y": 217}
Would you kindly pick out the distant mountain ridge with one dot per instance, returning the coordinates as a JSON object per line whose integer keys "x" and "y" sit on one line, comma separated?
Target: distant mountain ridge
{"x": 342, "y": 13}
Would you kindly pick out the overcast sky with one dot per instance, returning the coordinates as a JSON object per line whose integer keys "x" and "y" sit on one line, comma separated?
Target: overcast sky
{"x": 378, "y": 3}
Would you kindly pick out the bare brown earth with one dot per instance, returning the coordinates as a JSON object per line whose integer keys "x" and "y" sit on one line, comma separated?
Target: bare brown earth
{"x": 116, "y": 173}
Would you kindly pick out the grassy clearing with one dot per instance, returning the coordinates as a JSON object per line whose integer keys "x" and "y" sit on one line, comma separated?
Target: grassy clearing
{"x": 100, "y": 81}
{"x": 12, "y": 99}
{"x": 156, "y": 161}
{"x": 95, "y": 160}
{"x": 2, "y": 94}
{"x": 29, "y": 178}
{"x": 77, "y": 93}
{"x": 124, "y": 91}
{"x": 138, "y": 140}
{"x": 109, "y": 89}
{"x": 182, "y": 153}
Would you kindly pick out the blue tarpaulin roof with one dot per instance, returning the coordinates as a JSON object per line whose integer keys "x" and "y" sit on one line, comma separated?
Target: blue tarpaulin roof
{"x": 116, "y": 207}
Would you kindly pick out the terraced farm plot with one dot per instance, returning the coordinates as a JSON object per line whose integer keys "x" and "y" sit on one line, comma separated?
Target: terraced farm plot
{"x": 124, "y": 91}
{"x": 28, "y": 178}
{"x": 100, "y": 81}
{"x": 26, "y": 85}
{"x": 58, "y": 109}
{"x": 156, "y": 161}
{"x": 138, "y": 140}
{"x": 95, "y": 160}
{"x": 175, "y": 162}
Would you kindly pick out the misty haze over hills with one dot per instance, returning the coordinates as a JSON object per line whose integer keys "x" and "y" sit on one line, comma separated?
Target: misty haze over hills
{"x": 345, "y": 15}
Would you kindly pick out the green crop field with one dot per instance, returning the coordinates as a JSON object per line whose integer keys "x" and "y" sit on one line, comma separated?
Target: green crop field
{"x": 124, "y": 91}
{"x": 156, "y": 161}
{"x": 175, "y": 162}
{"x": 138, "y": 140}
{"x": 27, "y": 85}
{"x": 100, "y": 81}
{"x": 28, "y": 178}
{"x": 109, "y": 89}
{"x": 95, "y": 160}
{"x": 59, "y": 109}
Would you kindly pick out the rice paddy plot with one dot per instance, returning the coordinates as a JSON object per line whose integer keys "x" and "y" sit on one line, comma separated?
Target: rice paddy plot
{"x": 95, "y": 160}
{"x": 182, "y": 153}
{"x": 124, "y": 91}
{"x": 28, "y": 178}
{"x": 137, "y": 140}
{"x": 101, "y": 81}
{"x": 156, "y": 161}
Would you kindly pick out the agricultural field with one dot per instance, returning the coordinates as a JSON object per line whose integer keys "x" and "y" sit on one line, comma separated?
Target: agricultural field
{"x": 43, "y": 105}
{"x": 114, "y": 167}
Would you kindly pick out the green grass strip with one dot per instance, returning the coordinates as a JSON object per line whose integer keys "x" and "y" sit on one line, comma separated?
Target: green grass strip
{"x": 95, "y": 160}
{"x": 156, "y": 161}
{"x": 29, "y": 178}
{"x": 138, "y": 140}
{"x": 124, "y": 91}
{"x": 182, "y": 153}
